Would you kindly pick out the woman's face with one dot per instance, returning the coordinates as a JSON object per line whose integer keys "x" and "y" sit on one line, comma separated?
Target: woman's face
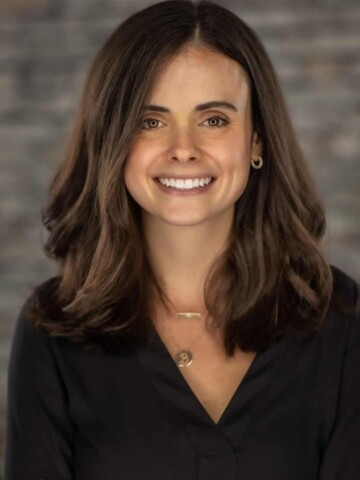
{"x": 184, "y": 135}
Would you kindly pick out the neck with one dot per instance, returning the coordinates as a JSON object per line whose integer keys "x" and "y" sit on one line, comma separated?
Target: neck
{"x": 181, "y": 256}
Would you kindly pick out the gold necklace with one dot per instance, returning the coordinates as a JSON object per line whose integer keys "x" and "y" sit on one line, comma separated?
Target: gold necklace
{"x": 184, "y": 356}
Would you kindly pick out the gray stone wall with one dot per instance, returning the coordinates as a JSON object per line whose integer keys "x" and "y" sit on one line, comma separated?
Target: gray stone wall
{"x": 45, "y": 49}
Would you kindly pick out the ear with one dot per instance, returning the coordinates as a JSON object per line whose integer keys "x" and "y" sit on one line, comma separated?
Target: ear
{"x": 256, "y": 147}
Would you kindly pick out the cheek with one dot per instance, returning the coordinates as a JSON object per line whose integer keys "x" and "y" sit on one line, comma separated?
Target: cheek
{"x": 132, "y": 183}
{"x": 140, "y": 157}
{"x": 135, "y": 163}
{"x": 232, "y": 156}
{"x": 232, "y": 142}
{"x": 234, "y": 161}
{"x": 241, "y": 178}
{"x": 136, "y": 176}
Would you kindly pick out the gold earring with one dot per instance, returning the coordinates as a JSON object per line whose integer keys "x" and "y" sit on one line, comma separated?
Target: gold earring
{"x": 255, "y": 164}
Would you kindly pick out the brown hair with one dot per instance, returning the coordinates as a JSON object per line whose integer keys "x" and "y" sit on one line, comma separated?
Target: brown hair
{"x": 273, "y": 279}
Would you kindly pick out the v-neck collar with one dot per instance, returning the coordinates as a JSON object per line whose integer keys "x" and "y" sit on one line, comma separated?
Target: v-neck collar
{"x": 189, "y": 391}
{"x": 183, "y": 405}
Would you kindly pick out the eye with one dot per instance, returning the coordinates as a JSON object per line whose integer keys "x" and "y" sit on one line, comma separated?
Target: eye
{"x": 214, "y": 122}
{"x": 151, "y": 123}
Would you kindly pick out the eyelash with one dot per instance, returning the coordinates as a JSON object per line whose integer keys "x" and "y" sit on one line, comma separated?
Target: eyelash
{"x": 225, "y": 122}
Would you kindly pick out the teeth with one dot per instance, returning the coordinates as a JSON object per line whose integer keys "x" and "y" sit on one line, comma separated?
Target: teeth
{"x": 185, "y": 184}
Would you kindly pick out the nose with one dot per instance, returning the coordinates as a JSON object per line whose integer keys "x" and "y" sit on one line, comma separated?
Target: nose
{"x": 183, "y": 147}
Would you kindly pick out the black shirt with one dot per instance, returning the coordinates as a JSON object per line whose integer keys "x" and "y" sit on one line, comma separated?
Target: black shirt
{"x": 130, "y": 415}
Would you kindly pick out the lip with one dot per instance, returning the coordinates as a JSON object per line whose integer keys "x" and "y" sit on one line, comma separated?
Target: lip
{"x": 184, "y": 192}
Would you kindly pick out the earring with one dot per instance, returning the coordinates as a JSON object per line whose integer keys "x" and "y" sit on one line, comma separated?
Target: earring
{"x": 255, "y": 164}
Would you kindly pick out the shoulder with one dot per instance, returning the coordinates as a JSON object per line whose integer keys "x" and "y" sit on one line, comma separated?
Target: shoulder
{"x": 346, "y": 292}
{"x": 30, "y": 346}
{"x": 41, "y": 319}
{"x": 40, "y": 292}
{"x": 346, "y": 286}
{"x": 43, "y": 291}
{"x": 345, "y": 305}
{"x": 28, "y": 320}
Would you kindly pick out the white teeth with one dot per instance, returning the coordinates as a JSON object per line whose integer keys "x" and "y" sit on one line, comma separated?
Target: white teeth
{"x": 185, "y": 184}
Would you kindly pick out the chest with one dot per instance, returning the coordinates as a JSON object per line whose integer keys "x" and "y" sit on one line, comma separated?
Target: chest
{"x": 215, "y": 383}
{"x": 212, "y": 376}
{"x": 133, "y": 413}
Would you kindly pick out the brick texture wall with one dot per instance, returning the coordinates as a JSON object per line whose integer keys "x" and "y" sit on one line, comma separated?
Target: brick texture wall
{"x": 45, "y": 49}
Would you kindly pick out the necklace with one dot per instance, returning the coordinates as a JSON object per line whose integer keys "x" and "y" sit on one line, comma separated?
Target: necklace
{"x": 184, "y": 356}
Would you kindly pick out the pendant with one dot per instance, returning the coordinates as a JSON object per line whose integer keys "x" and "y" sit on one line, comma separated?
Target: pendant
{"x": 183, "y": 358}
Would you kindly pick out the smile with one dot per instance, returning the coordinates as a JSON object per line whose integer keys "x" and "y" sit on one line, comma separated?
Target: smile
{"x": 185, "y": 183}
{"x": 185, "y": 186}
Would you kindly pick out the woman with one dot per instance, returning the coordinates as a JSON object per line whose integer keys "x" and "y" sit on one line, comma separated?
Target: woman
{"x": 195, "y": 329}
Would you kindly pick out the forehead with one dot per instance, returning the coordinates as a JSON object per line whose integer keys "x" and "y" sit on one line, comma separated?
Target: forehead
{"x": 202, "y": 74}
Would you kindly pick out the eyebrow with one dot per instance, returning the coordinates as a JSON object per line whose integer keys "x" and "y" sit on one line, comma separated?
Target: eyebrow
{"x": 198, "y": 108}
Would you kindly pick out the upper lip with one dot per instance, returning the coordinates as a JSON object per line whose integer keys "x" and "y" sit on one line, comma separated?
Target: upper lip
{"x": 206, "y": 175}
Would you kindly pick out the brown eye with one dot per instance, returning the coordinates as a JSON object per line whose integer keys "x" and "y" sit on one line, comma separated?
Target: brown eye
{"x": 216, "y": 122}
{"x": 150, "y": 123}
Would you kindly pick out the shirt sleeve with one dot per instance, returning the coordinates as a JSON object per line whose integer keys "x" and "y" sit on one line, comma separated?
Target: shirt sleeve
{"x": 341, "y": 459}
{"x": 39, "y": 432}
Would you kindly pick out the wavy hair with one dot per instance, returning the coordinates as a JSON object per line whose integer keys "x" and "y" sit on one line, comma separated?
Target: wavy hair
{"x": 274, "y": 277}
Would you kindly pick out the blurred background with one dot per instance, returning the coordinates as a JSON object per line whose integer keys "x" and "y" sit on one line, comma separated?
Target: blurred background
{"x": 46, "y": 47}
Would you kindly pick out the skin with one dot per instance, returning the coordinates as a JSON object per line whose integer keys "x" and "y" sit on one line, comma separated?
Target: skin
{"x": 186, "y": 233}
